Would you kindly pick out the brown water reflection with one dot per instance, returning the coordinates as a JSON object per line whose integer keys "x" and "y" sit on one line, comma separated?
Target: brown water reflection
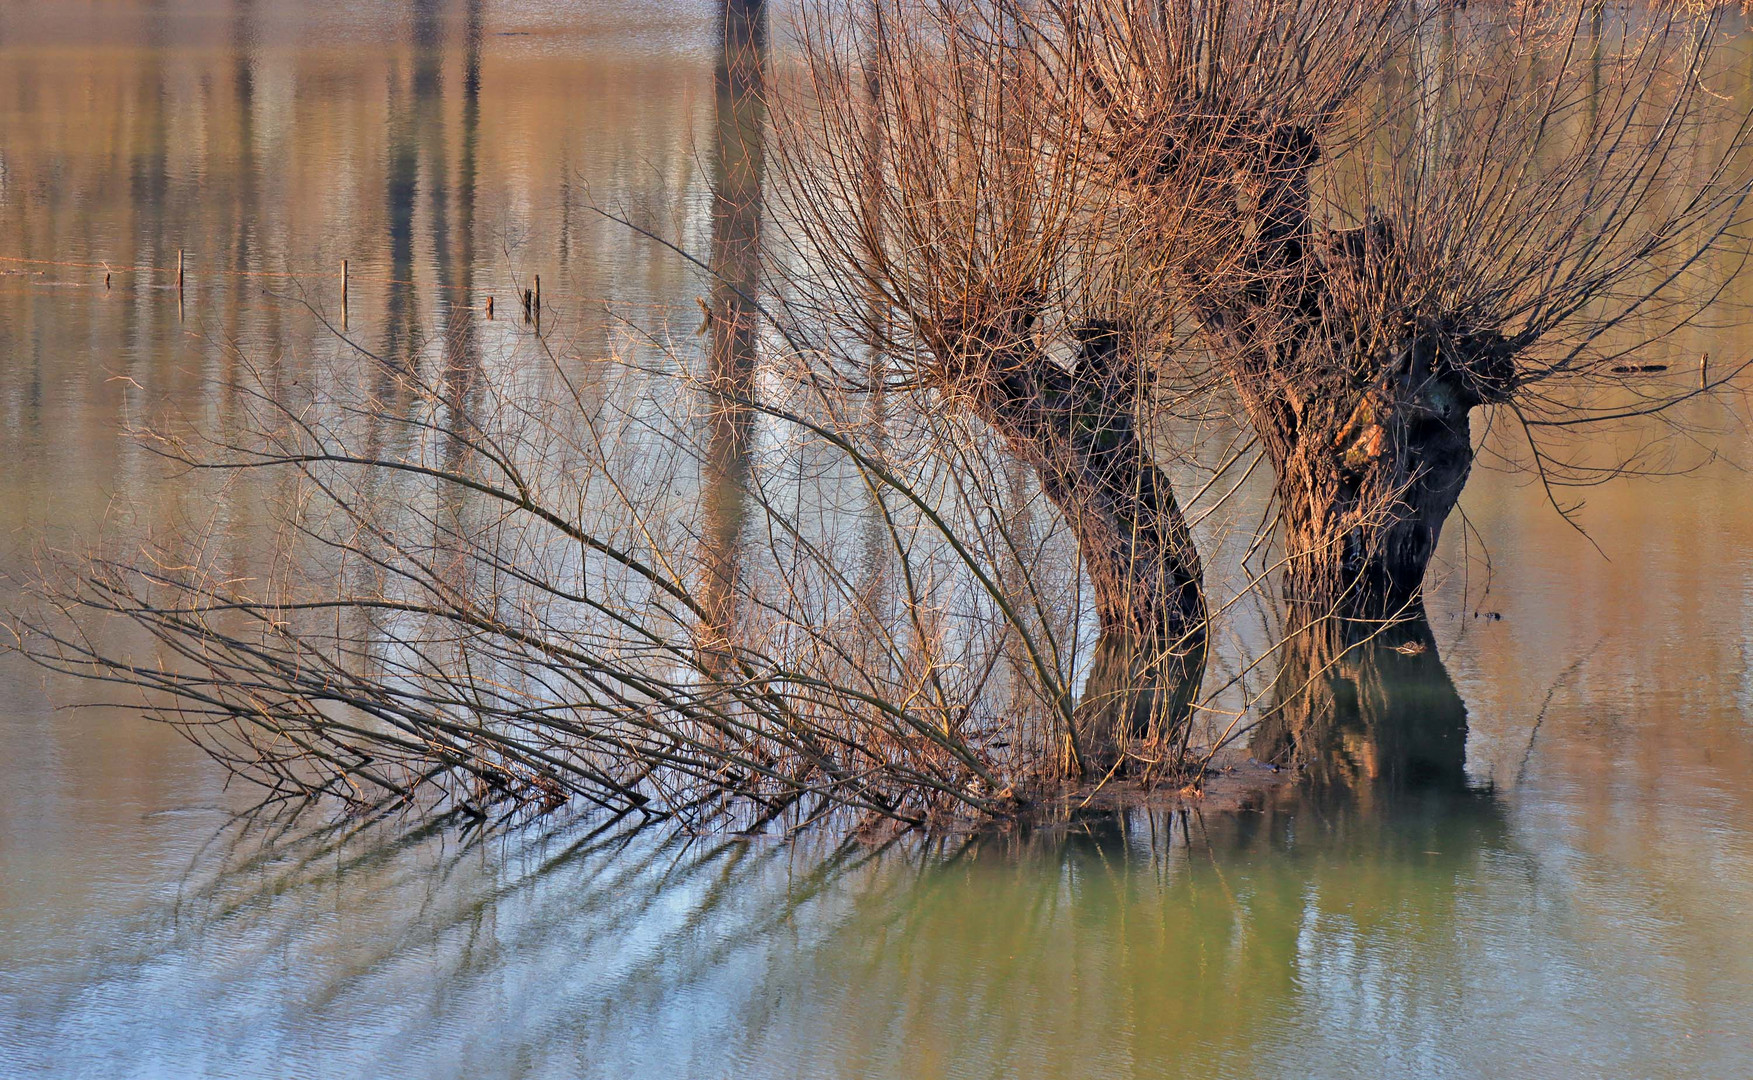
{"x": 1530, "y": 849}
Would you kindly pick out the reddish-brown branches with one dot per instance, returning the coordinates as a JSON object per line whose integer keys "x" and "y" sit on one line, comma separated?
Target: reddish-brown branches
{"x": 1386, "y": 215}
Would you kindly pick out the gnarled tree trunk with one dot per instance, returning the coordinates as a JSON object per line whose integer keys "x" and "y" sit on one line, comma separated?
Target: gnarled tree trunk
{"x": 1360, "y": 511}
{"x": 1360, "y": 393}
{"x": 1077, "y": 427}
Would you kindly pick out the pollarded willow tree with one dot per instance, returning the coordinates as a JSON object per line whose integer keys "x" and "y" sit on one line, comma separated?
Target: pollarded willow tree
{"x": 946, "y": 222}
{"x": 963, "y": 241}
{"x": 1386, "y": 215}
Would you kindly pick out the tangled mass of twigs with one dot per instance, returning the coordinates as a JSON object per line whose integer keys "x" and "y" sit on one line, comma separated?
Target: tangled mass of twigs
{"x": 1011, "y": 308}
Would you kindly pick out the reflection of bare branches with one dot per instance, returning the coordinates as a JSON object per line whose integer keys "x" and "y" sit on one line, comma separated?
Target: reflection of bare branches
{"x": 592, "y": 915}
{"x": 564, "y": 945}
{"x": 1540, "y": 716}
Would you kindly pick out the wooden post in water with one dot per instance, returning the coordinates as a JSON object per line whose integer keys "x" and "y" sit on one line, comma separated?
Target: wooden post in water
{"x": 537, "y": 303}
{"x": 489, "y": 308}
{"x": 343, "y": 294}
{"x": 179, "y": 273}
{"x": 106, "y": 281}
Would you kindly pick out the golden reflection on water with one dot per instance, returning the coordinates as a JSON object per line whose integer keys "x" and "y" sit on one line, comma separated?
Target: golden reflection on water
{"x": 1586, "y": 916}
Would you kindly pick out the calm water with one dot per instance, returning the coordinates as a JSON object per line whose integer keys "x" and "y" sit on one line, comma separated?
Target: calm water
{"x": 1568, "y": 892}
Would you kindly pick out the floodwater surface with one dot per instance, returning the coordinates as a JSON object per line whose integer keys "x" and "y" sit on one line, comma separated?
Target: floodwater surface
{"x": 1532, "y": 857}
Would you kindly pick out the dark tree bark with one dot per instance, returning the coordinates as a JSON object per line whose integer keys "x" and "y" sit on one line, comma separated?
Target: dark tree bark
{"x": 1078, "y": 428}
{"x": 1362, "y": 403}
{"x": 1364, "y": 490}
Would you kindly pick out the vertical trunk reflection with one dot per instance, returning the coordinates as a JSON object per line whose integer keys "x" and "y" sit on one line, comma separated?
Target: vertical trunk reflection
{"x": 736, "y": 175}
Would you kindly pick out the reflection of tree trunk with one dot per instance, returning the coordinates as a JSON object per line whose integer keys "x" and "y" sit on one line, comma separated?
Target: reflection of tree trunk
{"x": 401, "y": 187}
{"x": 149, "y": 187}
{"x": 877, "y": 541}
{"x": 427, "y": 151}
{"x": 1433, "y": 56}
{"x": 456, "y": 278}
{"x": 243, "y": 60}
{"x": 456, "y": 269}
{"x": 413, "y": 124}
{"x": 1138, "y": 698}
{"x": 243, "y": 49}
{"x": 1359, "y": 706}
{"x": 736, "y": 176}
